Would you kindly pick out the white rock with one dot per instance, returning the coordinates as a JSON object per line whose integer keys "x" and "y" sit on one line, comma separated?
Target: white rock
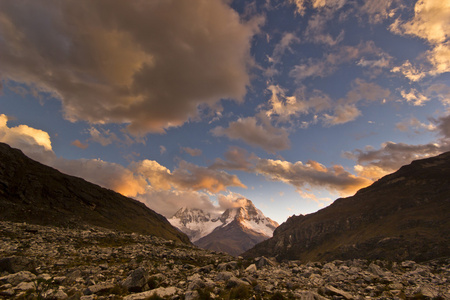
{"x": 161, "y": 292}
{"x": 251, "y": 269}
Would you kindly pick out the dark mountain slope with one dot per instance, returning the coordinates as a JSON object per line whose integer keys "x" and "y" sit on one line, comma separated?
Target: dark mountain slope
{"x": 404, "y": 215}
{"x": 233, "y": 239}
{"x": 34, "y": 193}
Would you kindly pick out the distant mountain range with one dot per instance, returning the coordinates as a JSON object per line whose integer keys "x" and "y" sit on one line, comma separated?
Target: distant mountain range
{"x": 235, "y": 231}
{"x": 34, "y": 193}
{"x": 402, "y": 216}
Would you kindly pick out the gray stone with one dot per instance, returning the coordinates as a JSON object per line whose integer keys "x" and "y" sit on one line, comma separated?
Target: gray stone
{"x": 264, "y": 261}
{"x": 233, "y": 281}
{"x": 376, "y": 270}
{"x": 25, "y": 286}
{"x": 98, "y": 288}
{"x": 18, "y": 277}
{"x": 60, "y": 295}
{"x": 223, "y": 276}
{"x": 331, "y": 290}
{"x": 136, "y": 280}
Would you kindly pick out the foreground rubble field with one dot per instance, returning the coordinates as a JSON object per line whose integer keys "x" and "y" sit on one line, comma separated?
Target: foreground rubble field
{"x": 38, "y": 262}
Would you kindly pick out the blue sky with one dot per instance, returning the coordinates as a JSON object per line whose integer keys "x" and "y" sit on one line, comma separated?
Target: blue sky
{"x": 289, "y": 103}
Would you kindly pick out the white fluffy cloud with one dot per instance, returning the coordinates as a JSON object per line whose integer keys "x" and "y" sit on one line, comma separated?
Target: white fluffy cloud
{"x": 149, "y": 64}
{"x": 431, "y": 23}
{"x": 414, "y": 97}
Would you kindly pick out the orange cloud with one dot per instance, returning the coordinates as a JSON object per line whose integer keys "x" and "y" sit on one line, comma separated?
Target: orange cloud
{"x": 79, "y": 144}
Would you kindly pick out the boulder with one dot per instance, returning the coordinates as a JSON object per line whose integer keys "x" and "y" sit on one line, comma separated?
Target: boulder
{"x": 16, "y": 264}
{"x": 136, "y": 280}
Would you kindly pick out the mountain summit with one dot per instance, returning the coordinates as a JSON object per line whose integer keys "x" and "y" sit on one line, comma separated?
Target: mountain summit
{"x": 402, "y": 216}
{"x": 236, "y": 230}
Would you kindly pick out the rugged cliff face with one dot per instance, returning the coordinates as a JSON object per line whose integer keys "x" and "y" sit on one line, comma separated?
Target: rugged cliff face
{"x": 404, "y": 215}
{"x": 34, "y": 193}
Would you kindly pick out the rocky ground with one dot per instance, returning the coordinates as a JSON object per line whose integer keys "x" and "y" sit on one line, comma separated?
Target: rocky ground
{"x": 38, "y": 262}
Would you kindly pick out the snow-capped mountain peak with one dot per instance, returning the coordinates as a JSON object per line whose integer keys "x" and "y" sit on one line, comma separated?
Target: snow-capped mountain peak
{"x": 197, "y": 224}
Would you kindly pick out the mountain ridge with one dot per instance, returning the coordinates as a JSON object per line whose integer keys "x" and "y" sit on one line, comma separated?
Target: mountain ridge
{"x": 35, "y": 193}
{"x": 234, "y": 231}
{"x": 401, "y": 216}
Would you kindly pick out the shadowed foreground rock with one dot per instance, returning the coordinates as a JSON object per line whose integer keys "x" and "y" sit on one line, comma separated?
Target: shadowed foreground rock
{"x": 96, "y": 263}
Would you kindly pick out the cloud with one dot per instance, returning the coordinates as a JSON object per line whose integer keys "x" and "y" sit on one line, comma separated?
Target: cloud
{"x": 192, "y": 151}
{"x": 301, "y": 176}
{"x": 168, "y": 202}
{"x": 440, "y": 91}
{"x": 235, "y": 159}
{"x": 311, "y": 174}
{"x": 231, "y": 200}
{"x": 363, "y": 90}
{"x": 256, "y": 131}
{"x": 301, "y": 5}
{"x": 374, "y": 163}
{"x": 148, "y": 64}
{"x": 316, "y": 31}
{"x": 284, "y": 106}
{"x": 186, "y": 177}
{"x": 378, "y": 10}
{"x": 409, "y": 71}
{"x": 414, "y": 97}
{"x": 431, "y": 23}
{"x": 342, "y": 114}
{"x": 162, "y": 149}
{"x": 79, "y": 144}
{"x": 284, "y": 45}
{"x": 22, "y": 136}
{"x": 365, "y": 54}
{"x": 414, "y": 123}
{"x": 346, "y": 110}
{"x": 443, "y": 125}
{"x": 103, "y": 136}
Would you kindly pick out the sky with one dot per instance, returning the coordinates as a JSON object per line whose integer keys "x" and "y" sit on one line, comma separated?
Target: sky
{"x": 196, "y": 103}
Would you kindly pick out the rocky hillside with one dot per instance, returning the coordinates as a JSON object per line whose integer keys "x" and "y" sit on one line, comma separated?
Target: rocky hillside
{"x": 402, "y": 216}
{"x": 235, "y": 231}
{"x": 42, "y": 262}
{"x": 34, "y": 193}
